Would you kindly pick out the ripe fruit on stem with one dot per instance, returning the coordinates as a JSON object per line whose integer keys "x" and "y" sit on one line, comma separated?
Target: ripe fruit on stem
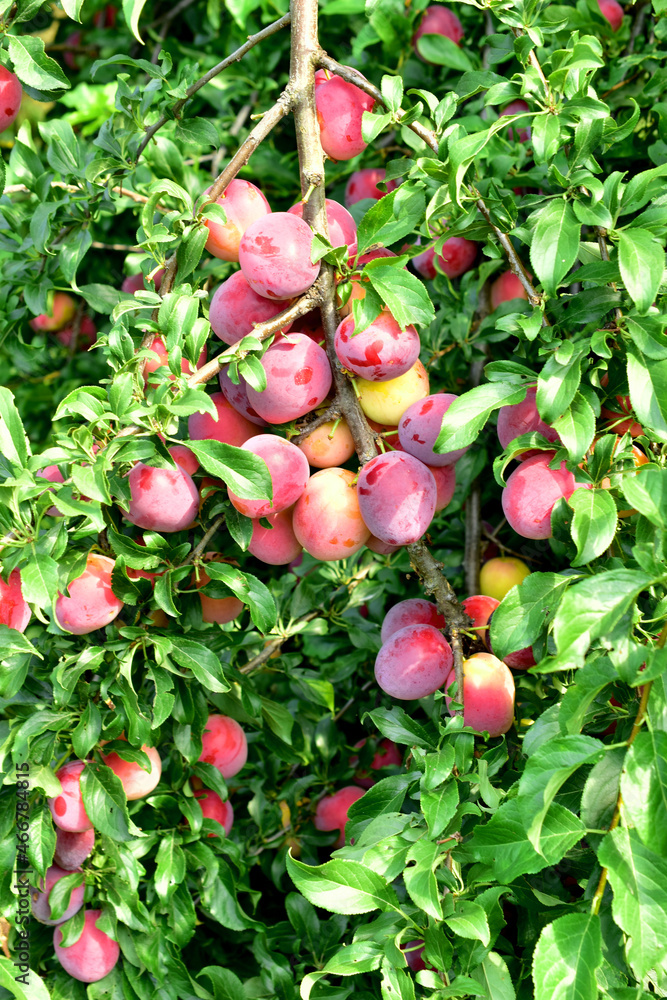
{"x": 159, "y": 358}
{"x": 531, "y": 492}
{"x": 523, "y": 418}
{"x": 488, "y": 694}
{"x": 14, "y": 611}
{"x": 613, "y": 13}
{"x": 298, "y": 379}
{"x": 213, "y": 807}
{"x": 341, "y": 226}
{"x": 499, "y": 575}
{"x": 92, "y": 603}
{"x": 288, "y": 468}
{"x": 331, "y": 812}
{"x": 92, "y": 956}
{"x": 230, "y": 427}
{"x": 438, "y": 20}
{"x": 11, "y": 93}
{"x": 274, "y": 254}
{"x": 379, "y": 353}
{"x": 41, "y": 908}
{"x": 414, "y": 662}
{"x": 458, "y": 255}
{"x": 162, "y": 499}
{"x": 327, "y": 519}
{"x": 505, "y": 288}
{"x": 72, "y": 849}
{"x": 278, "y": 545}
{"x": 67, "y": 809}
{"x": 480, "y": 607}
{"x": 419, "y": 427}
{"x": 215, "y": 609}
{"x": 243, "y": 204}
{"x": 224, "y": 745}
{"x": 340, "y": 107}
{"x": 236, "y": 307}
{"x": 329, "y": 445}
{"x": 387, "y": 754}
{"x": 516, "y": 108}
{"x": 137, "y": 782}
{"x": 415, "y": 611}
{"x": 364, "y": 184}
{"x": 63, "y": 310}
{"x": 397, "y": 495}
{"x": 237, "y": 395}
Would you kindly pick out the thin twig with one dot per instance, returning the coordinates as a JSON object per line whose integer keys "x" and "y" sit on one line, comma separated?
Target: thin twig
{"x": 199, "y": 548}
{"x": 331, "y": 413}
{"x": 238, "y": 54}
{"x": 273, "y": 645}
{"x": 637, "y": 27}
{"x": 168, "y": 18}
{"x": 604, "y": 255}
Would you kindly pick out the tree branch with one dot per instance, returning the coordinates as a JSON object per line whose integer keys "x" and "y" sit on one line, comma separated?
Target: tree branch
{"x": 253, "y": 40}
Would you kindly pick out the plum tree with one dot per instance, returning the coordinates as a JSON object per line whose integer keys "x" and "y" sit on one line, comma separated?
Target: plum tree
{"x": 63, "y": 311}
{"x": 237, "y": 394}
{"x": 277, "y": 545}
{"x": 414, "y": 611}
{"x": 505, "y": 288}
{"x": 419, "y": 427}
{"x": 213, "y": 807}
{"x": 72, "y": 849}
{"x": 386, "y": 402}
{"x": 613, "y": 12}
{"x": 488, "y": 694}
{"x": 438, "y": 20}
{"x": 243, "y": 204}
{"x": 329, "y": 445}
{"x": 341, "y": 226}
{"x": 498, "y": 576}
{"x": 161, "y": 499}
{"x": 41, "y": 909}
{"x": 236, "y": 307}
{"x": 298, "y": 379}
{"x": 224, "y": 745}
{"x": 331, "y": 812}
{"x": 523, "y": 418}
{"x": 92, "y": 603}
{"x": 364, "y": 184}
{"x": 531, "y": 492}
{"x": 380, "y": 352}
{"x": 230, "y": 427}
{"x": 457, "y": 256}
{"x": 14, "y": 610}
{"x": 219, "y": 610}
{"x": 340, "y": 107}
{"x": 327, "y": 518}
{"x": 92, "y": 956}
{"x": 397, "y": 496}
{"x": 414, "y": 662}
{"x": 11, "y": 92}
{"x": 137, "y": 782}
{"x": 274, "y": 255}
{"x": 289, "y": 471}
{"x": 67, "y": 809}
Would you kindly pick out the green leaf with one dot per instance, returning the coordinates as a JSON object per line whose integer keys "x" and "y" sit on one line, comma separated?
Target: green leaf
{"x": 32, "y": 65}
{"x": 555, "y": 243}
{"x": 202, "y": 661}
{"x": 397, "y": 984}
{"x": 60, "y": 895}
{"x": 557, "y": 384}
{"x": 593, "y": 678}
{"x": 132, "y": 12}
{"x": 642, "y": 261}
{"x": 403, "y": 293}
{"x": 226, "y": 986}
{"x": 420, "y": 880}
{"x": 39, "y": 581}
{"x": 467, "y": 415}
{"x": 546, "y": 771}
{"x": 593, "y": 607}
{"x": 647, "y": 493}
{"x": 644, "y": 788}
{"x": 469, "y": 920}
{"x": 442, "y": 51}
{"x": 86, "y": 734}
{"x": 525, "y": 612}
{"x": 647, "y": 380}
{"x": 248, "y": 589}
{"x": 567, "y": 954}
{"x": 593, "y": 525}
{"x": 42, "y": 842}
{"x": 36, "y": 988}
{"x": 342, "y": 886}
{"x": 170, "y": 866}
{"x": 13, "y": 440}
{"x": 494, "y": 975}
{"x": 439, "y": 806}
{"x": 398, "y": 726}
{"x": 503, "y": 842}
{"x": 105, "y": 802}
{"x": 247, "y": 475}
{"x": 350, "y": 960}
{"x": 391, "y": 218}
{"x": 638, "y": 876}
{"x": 576, "y": 427}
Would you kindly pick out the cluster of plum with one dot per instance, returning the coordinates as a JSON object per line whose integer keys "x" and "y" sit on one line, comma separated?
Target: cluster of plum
{"x": 94, "y": 953}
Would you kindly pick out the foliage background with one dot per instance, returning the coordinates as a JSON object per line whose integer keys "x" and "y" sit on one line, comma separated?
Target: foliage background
{"x": 490, "y": 851}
